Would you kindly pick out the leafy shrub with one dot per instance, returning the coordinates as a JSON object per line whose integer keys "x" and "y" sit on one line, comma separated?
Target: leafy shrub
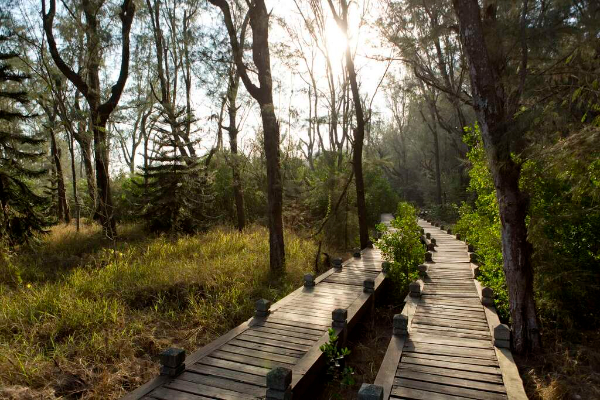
{"x": 402, "y": 247}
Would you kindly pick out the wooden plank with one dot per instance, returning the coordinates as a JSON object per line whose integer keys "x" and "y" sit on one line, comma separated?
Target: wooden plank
{"x": 408, "y": 393}
{"x": 291, "y": 322}
{"x": 281, "y": 336}
{"x": 239, "y": 387}
{"x": 279, "y": 342}
{"x": 446, "y": 389}
{"x": 386, "y": 374}
{"x": 249, "y": 360}
{"x": 451, "y": 381}
{"x": 262, "y": 352}
{"x": 231, "y": 365}
{"x": 204, "y": 390}
{"x": 453, "y": 363}
{"x": 230, "y": 374}
{"x": 170, "y": 394}
{"x": 448, "y": 350}
{"x": 445, "y": 371}
{"x": 272, "y": 327}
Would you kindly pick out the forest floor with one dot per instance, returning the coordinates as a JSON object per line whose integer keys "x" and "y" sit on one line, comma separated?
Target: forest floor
{"x": 568, "y": 367}
{"x": 84, "y": 317}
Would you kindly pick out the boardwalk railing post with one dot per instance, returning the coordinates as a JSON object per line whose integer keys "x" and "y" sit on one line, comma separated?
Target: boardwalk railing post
{"x": 279, "y": 384}
{"x": 449, "y": 231}
{"x": 309, "y": 280}
{"x": 172, "y": 362}
{"x": 415, "y": 288}
{"x": 337, "y": 263}
{"x": 422, "y": 270}
{"x": 356, "y": 253}
{"x": 428, "y": 257}
{"x": 434, "y": 242}
{"x": 262, "y": 308}
{"x": 369, "y": 285}
{"x": 428, "y": 235}
{"x": 502, "y": 336}
{"x": 487, "y": 296}
{"x": 458, "y": 236}
{"x": 473, "y": 258}
{"x": 370, "y": 392}
{"x": 400, "y": 325}
{"x": 339, "y": 318}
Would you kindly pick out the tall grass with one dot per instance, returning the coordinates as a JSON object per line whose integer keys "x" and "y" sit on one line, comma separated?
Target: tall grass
{"x": 93, "y": 329}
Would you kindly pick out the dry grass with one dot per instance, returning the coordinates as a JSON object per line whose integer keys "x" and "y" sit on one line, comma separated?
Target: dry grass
{"x": 91, "y": 328}
{"x": 568, "y": 367}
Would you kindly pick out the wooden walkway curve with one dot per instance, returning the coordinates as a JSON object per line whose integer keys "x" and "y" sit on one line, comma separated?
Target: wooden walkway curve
{"x": 449, "y": 350}
{"x": 235, "y": 365}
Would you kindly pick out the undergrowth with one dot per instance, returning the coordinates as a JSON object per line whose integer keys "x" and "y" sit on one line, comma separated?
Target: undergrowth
{"x": 92, "y": 329}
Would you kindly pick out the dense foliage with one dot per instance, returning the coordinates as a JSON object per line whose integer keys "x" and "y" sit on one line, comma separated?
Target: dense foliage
{"x": 564, "y": 222}
{"x": 21, "y": 208}
{"x": 402, "y": 247}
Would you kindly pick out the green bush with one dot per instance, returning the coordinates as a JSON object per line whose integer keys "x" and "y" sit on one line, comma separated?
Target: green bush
{"x": 401, "y": 246}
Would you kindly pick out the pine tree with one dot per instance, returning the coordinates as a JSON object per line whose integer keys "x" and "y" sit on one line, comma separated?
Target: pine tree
{"x": 21, "y": 209}
{"x": 177, "y": 197}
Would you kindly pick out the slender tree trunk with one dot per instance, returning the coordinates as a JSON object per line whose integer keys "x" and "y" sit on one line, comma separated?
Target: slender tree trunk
{"x": 86, "y": 158}
{"x": 74, "y": 181}
{"x": 238, "y": 192}
{"x": 359, "y": 132}
{"x": 63, "y": 206}
{"x": 105, "y": 210}
{"x": 490, "y": 106}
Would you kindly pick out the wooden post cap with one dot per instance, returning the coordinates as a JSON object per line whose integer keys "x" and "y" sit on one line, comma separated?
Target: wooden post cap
{"x": 487, "y": 292}
{"x": 262, "y": 308}
{"x": 337, "y": 263}
{"x": 356, "y": 252}
{"x": 172, "y": 357}
{"x": 428, "y": 235}
{"x": 369, "y": 285}
{"x": 370, "y": 392}
{"x": 309, "y": 280}
{"x": 279, "y": 378}
{"x": 339, "y": 314}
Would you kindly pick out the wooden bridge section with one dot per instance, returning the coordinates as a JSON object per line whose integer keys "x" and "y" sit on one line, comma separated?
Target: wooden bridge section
{"x": 448, "y": 351}
{"x": 288, "y": 335}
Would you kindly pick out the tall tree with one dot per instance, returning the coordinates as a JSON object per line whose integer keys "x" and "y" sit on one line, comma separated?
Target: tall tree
{"x": 495, "y": 110}
{"x": 21, "y": 208}
{"x": 359, "y": 130}
{"x": 99, "y": 111}
{"x": 263, "y": 94}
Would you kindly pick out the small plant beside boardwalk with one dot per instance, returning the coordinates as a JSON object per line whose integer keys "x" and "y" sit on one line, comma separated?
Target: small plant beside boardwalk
{"x": 93, "y": 330}
{"x": 402, "y": 247}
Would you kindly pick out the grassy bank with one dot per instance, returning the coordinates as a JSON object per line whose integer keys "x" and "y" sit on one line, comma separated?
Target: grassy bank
{"x": 81, "y": 316}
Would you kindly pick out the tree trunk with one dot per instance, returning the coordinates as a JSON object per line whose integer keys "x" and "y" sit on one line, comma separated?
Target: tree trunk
{"x": 74, "y": 180}
{"x": 263, "y": 94}
{"x": 105, "y": 210}
{"x": 490, "y": 106}
{"x": 359, "y": 132}
{"x": 63, "y": 205}
{"x": 238, "y": 193}
{"x": 86, "y": 156}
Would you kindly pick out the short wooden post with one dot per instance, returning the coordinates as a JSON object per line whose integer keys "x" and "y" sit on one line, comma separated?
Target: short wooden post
{"x": 262, "y": 308}
{"x": 279, "y": 384}
{"x": 449, "y": 231}
{"x": 309, "y": 280}
{"x": 172, "y": 362}
{"x": 458, "y": 236}
{"x": 415, "y": 288}
{"x": 369, "y": 285}
{"x": 422, "y": 270}
{"x": 442, "y": 227}
{"x": 487, "y": 296}
{"x": 356, "y": 253}
{"x": 470, "y": 248}
{"x": 337, "y": 263}
{"x": 400, "y": 325}
{"x": 428, "y": 257}
{"x": 473, "y": 258}
{"x": 502, "y": 336}
{"x": 434, "y": 241}
{"x": 339, "y": 320}
{"x": 428, "y": 235}
{"x": 370, "y": 392}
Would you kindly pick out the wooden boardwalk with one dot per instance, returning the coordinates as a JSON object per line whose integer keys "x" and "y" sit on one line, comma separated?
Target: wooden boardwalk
{"x": 236, "y": 364}
{"x": 448, "y": 352}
